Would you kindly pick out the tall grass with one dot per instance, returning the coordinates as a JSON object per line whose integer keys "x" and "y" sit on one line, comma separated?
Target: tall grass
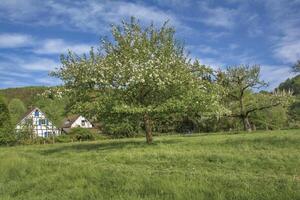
{"x": 262, "y": 165}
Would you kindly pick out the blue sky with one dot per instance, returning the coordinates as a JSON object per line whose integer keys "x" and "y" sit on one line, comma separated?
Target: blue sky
{"x": 33, "y": 33}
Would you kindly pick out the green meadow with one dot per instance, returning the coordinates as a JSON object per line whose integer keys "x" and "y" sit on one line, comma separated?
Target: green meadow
{"x": 260, "y": 165}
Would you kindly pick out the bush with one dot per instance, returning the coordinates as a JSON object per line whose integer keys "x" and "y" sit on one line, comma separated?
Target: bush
{"x": 82, "y": 134}
{"x": 120, "y": 130}
{"x": 6, "y": 129}
{"x": 121, "y": 125}
{"x": 63, "y": 138}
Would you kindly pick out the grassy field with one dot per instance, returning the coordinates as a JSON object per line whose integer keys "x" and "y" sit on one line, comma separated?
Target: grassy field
{"x": 262, "y": 165}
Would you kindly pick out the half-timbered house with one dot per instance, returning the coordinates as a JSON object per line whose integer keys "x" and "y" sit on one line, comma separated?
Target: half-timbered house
{"x": 37, "y": 122}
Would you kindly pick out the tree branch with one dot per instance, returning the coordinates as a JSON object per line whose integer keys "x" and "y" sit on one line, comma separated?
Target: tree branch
{"x": 262, "y": 108}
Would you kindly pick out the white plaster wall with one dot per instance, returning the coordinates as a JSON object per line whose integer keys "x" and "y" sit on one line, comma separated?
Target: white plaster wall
{"x": 43, "y": 130}
{"x": 78, "y": 123}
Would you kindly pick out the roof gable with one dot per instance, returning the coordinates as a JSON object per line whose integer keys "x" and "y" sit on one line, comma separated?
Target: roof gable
{"x": 29, "y": 112}
{"x": 69, "y": 121}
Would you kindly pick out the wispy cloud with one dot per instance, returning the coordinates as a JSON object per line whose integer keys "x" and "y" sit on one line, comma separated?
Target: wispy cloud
{"x": 89, "y": 15}
{"x": 202, "y": 49}
{"x": 16, "y": 70}
{"x": 49, "y": 81}
{"x": 219, "y": 34}
{"x": 39, "y": 64}
{"x": 14, "y": 64}
{"x": 42, "y": 46}
{"x": 286, "y": 26}
{"x": 13, "y": 40}
{"x": 217, "y": 16}
{"x": 288, "y": 46}
{"x": 6, "y": 73}
{"x": 275, "y": 74}
{"x": 59, "y": 46}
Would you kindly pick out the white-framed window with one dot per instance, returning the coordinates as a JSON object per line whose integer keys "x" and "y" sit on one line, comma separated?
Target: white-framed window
{"x": 42, "y": 121}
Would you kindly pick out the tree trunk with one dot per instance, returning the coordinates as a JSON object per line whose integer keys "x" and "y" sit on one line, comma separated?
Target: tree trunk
{"x": 247, "y": 126}
{"x": 148, "y": 129}
{"x": 253, "y": 127}
{"x": 246, "y": 123}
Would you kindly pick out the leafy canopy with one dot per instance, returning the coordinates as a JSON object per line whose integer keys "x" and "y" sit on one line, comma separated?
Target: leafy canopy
{"x": 241, "y": 81}
{"x": 6, "y": 129}
{"x": 17, "y": 109}
{"x": 142, "y": 71}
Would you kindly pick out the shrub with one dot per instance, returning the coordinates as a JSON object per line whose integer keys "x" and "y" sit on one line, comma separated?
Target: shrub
{"x": 121, "y": 125}
{"x": 6, "y": 128}
{"x": 82, "y": 134}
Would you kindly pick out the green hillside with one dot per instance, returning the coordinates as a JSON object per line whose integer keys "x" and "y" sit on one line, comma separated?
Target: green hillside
{"x": 261, "y": 165}
{"x": 26, "y": 94}
{"x": 292, "y": 84}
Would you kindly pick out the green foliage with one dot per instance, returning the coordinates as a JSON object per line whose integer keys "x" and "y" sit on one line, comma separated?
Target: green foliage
{"x": 25, "y": 94}
{"x": 82, "y": 134}
{"x": 273, "y": 118}
{"x": 262, "y": 165}
{"x": 240, "y": 82}
{"x": 17, "y": 109}
{"x": 121, "y": 125}
{"x": 142, "y": 72}
{"x": 6, "y": 128}
{"x": 25, "y": 135}
{"x": 54, "y": 107}
{"x": 294, "y": 114}
{"x": 292, "y": 84}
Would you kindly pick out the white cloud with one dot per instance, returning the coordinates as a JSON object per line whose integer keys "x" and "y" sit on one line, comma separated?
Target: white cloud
{"x": 13, "y": 83}
{"x": 14, "y": 40}
{"x": 6, "y": 73}
{"x": 147, "y": 14}
{"x": 14, "y": 63}
{"x": 48, "y": 81}
{"x": 201, "y": 49}
{"x": 285, "y": 26}
{"x": 41, "y": 46}
{"x": 218, "y": 16}
{"x": 16, "y": 70}
{"x": 89, "y": 16}
{"x": 59, "y": 46}
{"x": 39, "y": 64}
{"x": 20, "y": 10}
{"x": 213, "y": 63}
{"x": 287, "y": 48}
{"x": 275, "y": 74}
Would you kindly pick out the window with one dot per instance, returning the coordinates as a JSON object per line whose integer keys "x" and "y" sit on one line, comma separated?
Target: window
{"x": 82, "y": 122}
{"x": 36, "y": 113}
{"x": 42, "y": 121}
{"x": 46, "y": 134}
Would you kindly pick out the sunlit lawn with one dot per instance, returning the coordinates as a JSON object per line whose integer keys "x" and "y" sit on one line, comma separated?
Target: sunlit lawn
{"x": 261, "y": 165}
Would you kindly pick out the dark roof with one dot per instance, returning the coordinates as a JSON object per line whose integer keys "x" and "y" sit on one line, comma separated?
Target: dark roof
{"x": 68, "y": 121}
